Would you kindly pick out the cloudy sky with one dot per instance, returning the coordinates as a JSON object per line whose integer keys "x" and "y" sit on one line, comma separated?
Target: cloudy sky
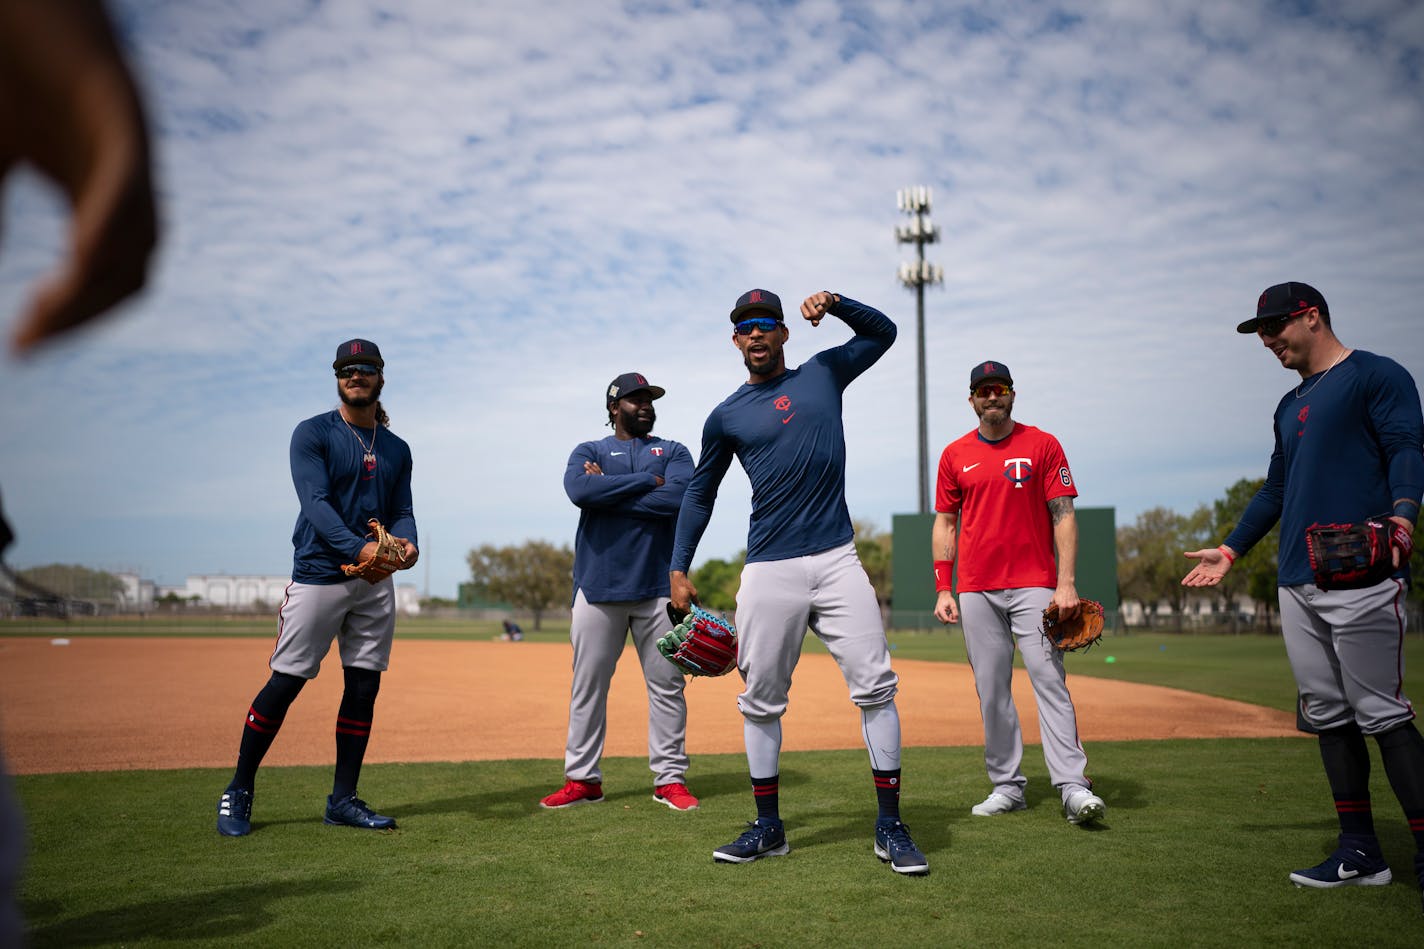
{"x": 517, "y": 202}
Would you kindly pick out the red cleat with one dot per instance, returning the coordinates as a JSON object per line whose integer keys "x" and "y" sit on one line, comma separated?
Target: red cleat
{"x": 676, "y": 796}
{"x": 574, "y": 792}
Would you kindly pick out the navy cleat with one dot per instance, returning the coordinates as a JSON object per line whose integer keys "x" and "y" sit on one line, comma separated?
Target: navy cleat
{"x": 893, "y": 844}
{"x": 351, "y": 811}
{"x": 235, "y": 813}
{"x": 1356, "y": 862}
{"x": 763, "y": 838}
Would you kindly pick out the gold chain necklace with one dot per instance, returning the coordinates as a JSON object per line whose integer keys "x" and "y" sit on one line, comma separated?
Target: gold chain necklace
{"x": 1298, "y": 394}
{"x": 370, "y": 453}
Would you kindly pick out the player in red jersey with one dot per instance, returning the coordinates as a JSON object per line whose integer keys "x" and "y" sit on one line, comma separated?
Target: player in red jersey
{"x": 1004, "y": 505}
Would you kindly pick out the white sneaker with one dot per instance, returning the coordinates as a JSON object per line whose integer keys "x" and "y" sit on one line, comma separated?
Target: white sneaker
{"x": 1083, "y": 807}
{"x": 996, "y": 803}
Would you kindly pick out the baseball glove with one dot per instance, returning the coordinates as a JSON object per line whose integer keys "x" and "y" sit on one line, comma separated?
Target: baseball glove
{"x": 702, "y": 644}
{"x": 1080, "y": 632}
{"x": 1353, "y": 556}
{"x": 388, "y": 557}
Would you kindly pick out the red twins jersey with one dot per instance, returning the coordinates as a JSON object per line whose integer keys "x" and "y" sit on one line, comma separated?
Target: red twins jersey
{"x": 1001, "y": 490}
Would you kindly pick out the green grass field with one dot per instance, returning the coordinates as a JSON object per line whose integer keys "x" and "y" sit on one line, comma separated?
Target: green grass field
{"x": 1199, "y": 838}
{"x": 1195, "y": 850}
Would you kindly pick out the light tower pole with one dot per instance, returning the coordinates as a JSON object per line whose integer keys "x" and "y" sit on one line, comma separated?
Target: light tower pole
{"x": 920, "y": 231}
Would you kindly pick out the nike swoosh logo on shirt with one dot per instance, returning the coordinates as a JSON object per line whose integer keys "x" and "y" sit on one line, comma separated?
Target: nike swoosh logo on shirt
{"x": 788, "y": 418}
{"x": 615, "y": 453}
{"x": 971, "y": 467}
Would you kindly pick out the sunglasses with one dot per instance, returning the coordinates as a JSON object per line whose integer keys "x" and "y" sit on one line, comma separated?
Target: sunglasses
{"x": 346, "y": 372}
{"x": 764, "y": 323}
{"x": 1274, "y": 325}
{"x": 992, "y": 390}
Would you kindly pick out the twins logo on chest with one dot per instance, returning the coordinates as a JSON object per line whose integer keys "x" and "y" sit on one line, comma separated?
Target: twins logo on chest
{"x": 1018, "y": 470}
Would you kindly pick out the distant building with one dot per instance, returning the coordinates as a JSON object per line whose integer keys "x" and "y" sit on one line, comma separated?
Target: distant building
{"x": 1198, "y": 610}
{"x": 219, "y": 592}
{"x": 250, "y": 592}
{"x": 137, "y": 595}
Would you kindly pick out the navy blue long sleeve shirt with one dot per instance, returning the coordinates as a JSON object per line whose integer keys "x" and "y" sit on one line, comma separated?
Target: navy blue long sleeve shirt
{"x": 626, "y": 518}
{"x": 1345, "y": 449}
{"x": 789, "y": 436}
{"x": 338, "y": 493}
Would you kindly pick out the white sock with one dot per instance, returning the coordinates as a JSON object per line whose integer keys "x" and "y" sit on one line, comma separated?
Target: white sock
{"x": 763, "y": 740}
{"x": 880, "y": 726}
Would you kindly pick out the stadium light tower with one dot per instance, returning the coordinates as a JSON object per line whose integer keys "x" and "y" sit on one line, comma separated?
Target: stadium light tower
{"x": 920, "y": 231}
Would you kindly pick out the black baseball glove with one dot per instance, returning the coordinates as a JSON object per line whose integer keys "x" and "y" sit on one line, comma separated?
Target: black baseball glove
{"x": 1354, "y": 556}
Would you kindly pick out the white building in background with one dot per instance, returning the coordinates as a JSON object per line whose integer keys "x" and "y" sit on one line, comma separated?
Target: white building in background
{"x": 137, "y": 595}
{"x": 252, "y": 592}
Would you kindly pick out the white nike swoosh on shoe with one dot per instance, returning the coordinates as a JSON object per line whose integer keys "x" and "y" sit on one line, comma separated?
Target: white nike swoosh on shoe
{"x": 1344, "y": 874}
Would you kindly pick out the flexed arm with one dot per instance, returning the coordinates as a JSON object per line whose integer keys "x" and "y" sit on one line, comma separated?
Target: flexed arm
{"x": 874, "y": 334}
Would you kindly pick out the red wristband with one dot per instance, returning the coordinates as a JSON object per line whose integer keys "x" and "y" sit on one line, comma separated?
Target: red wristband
{"x": 944, "y": 576}
{"x": 1402, "y": 539}
{"x": 1230, "y": 557}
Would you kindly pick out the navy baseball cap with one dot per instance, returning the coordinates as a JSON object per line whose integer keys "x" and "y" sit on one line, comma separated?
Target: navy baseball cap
{"x": 989, "y": 370}
{"x": 763, "y": 300}
{"x": 1284, "y": 299}
{"x": 356, "y": 351}
{"x": 630, "y": 382}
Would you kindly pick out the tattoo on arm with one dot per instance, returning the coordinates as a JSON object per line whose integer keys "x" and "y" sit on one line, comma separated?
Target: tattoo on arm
{"x": 1060, "y": 508}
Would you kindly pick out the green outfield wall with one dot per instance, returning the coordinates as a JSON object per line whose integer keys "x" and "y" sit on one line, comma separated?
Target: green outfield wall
{"x": 912, "y": 606}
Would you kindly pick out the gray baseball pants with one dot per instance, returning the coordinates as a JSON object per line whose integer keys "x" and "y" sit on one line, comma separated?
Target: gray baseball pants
{"x": 995, "y": 622}
{"x": 1346, "y": 650}
{"x": 599, "y": 632}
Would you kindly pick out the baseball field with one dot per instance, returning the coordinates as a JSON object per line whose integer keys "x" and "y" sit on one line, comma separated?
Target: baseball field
{"x": 122, "y": 742}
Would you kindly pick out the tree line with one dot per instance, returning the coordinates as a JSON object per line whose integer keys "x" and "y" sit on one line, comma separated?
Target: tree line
{"x": 536, "y": 576}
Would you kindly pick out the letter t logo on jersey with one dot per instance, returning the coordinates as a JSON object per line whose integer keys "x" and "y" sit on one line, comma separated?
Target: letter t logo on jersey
{"x": 1018, "y": 470}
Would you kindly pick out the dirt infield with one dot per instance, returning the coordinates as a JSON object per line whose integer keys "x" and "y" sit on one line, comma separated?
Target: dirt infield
{"x": 99, "y": 704}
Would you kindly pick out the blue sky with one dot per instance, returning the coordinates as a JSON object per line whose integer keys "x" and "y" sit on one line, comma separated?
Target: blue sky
{"x": 519, "y": 202}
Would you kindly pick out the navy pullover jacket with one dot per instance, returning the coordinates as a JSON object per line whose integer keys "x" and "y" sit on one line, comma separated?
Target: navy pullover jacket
{"x": 626, "y": 519}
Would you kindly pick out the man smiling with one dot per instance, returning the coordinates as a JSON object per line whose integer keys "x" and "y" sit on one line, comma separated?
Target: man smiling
{"x": 347, "y": 467}
{"x": 1347, "y": 451}
{"x": 1004, "y": 507}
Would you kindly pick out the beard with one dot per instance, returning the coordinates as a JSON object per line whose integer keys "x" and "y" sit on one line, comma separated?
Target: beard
{"x": 635, "y": 426}
{"x": 361, "y": 401}
{"x": 1001, "y": 413}
{"x": 761, "y": 366}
